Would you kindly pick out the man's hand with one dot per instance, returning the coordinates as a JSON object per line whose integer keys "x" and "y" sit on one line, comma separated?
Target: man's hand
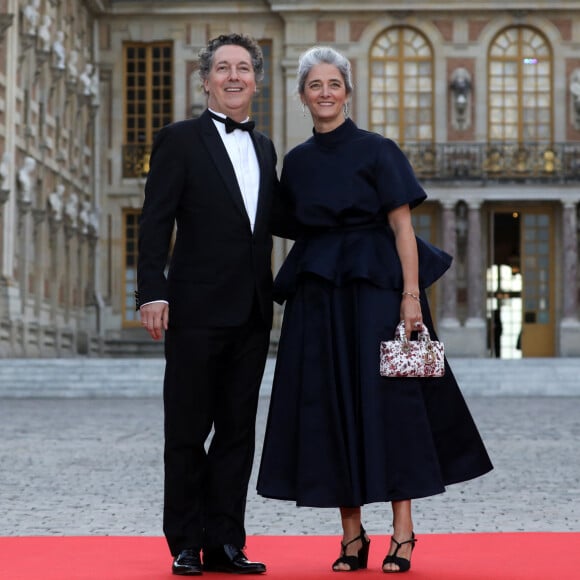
{"x": 155, "y": 318}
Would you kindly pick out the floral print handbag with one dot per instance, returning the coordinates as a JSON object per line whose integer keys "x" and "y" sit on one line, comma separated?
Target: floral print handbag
{"x": 411, "y": 358}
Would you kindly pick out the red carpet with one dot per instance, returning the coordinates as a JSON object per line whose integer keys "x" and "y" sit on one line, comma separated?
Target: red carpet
{"x": 509, "y": 556}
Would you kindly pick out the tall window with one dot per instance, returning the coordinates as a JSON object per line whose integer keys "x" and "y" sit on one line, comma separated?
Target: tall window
{"x": 401, "y": 86}
{"x": 130, "y": 240}
{"x": 262, "y": 103}
{"x": 520, "y": 87}
{"x": 148, "y": 101}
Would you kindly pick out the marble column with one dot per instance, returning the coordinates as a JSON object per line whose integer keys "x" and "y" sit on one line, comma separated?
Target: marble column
{"x": 4, "y": 350}
{"x": 24, "y": 258}
{"x": 475, "y": 331}
{"x": 448, "y": 284}
{"x": 569, "y": 324}
{"x": 570, "y": 261}
{"x": 39, "y": 259}
{"x": 4, "y": 195}
{"x": 475, "y": 273}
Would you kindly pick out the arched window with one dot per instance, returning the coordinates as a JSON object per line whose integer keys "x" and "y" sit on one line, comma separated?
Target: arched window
{"x": 520, "y": 87}
{"x": 401, "y": 86}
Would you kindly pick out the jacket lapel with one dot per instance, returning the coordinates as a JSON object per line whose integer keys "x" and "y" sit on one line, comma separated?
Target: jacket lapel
{"x": 222, "y": 161}
{"x": 264, "y": 171}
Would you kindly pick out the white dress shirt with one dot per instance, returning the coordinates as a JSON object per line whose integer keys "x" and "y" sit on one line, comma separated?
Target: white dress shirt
{"x": 243, "y": 156}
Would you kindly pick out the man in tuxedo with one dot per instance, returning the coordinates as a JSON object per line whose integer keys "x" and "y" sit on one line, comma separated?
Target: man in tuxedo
{"x": 214, "y": 178}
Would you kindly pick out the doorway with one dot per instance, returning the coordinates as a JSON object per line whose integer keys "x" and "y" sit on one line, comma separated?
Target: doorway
{"x": 520, "y": 282}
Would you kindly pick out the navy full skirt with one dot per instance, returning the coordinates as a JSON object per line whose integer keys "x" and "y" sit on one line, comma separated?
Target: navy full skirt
{"x": 339, "y": 434}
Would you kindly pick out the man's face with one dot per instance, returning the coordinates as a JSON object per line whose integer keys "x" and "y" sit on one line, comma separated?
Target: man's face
{"x": 231, "y": 82}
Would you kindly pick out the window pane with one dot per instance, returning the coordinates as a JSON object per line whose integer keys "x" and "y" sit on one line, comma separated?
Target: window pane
{"x": 149, "y": 90}
{"x": 401, "y": 85}
{"x": 519, "y": 87}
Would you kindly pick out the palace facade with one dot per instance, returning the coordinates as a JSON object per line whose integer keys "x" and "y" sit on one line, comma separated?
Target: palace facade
{"x": 484, "y": 97}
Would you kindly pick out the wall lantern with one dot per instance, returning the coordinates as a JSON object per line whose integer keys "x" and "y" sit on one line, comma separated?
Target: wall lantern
{"x": 460, "y": 86}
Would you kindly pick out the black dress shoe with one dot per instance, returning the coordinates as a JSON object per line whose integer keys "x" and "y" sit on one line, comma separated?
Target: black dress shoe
{"x": 187, "y": 563}
{"x": 228, "y": 558}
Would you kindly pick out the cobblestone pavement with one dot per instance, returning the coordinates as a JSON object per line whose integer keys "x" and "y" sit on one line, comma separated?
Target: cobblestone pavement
{"x": 94, "y": 467}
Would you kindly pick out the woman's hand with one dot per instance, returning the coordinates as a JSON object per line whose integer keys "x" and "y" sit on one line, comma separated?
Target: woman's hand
{"x": 411, "y": 312}
{"x": 406, "y": 242}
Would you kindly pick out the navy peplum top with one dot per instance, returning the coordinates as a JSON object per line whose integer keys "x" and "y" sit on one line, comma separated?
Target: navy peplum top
{"x": 339, "y": 187}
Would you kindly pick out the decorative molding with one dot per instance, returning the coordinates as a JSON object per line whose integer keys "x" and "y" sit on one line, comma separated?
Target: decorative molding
{"x": 400, "y": 14}
{"x": 38, "y": 214}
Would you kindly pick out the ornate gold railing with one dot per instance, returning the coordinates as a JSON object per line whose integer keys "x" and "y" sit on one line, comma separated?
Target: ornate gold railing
{"x": 483, "y": 162}
{"x": 505, "y": 162}
{"x": 136, "y": 160}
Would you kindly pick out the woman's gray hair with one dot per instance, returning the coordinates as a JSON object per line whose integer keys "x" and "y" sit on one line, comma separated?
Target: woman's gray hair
{"x": 319, "y": 55}
{"x": 206, "y": 55}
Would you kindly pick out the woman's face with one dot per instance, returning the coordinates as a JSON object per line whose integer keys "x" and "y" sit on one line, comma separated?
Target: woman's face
{"x": 325, "y": 95}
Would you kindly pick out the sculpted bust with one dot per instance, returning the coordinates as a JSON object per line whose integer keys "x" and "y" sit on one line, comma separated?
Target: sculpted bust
{"x": 71, "y": 209}
{"x": 30, "y": 13}
{"x": 55, "y": 203}
{"x": 58, "y": 50}
{"x": 25, "y": 179}
{"x": 44, "y": 33}
{"x": 4, "y": 165}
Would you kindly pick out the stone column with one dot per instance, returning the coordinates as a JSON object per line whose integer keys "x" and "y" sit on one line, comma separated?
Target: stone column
{"x": 570, "y": 261}
{"x": 10, "y": 214}
{"x": 475, "y": 325}
{"x": 569, "y": 325}
{"x": 9, "y": 291}
{"x": 475, "y": 275}
{"x": 449, "y": 329}
{"x": 24, "y": 235}
{"x": 4, "y": 195}
{"x": 448, "y": 284}
{"x": 39, "y": 259}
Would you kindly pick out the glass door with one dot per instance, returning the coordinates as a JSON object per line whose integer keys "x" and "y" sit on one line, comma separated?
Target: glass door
{"x": 538, "y": 283}
{"x": 520, "y": 274}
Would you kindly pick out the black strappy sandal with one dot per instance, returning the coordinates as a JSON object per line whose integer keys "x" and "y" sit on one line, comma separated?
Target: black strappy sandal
{"x": 355, "y": 562}
{"x": 403, "y": 564}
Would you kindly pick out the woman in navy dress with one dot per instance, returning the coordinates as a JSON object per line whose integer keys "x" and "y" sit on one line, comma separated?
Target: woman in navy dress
{"x": 339, "y": 434}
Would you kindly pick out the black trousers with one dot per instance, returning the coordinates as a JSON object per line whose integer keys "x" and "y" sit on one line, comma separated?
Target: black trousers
{"x": 212, "y": 381}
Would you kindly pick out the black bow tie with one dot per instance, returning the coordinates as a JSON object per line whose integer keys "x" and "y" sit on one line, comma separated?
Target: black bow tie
{"x": 231, "y": 124}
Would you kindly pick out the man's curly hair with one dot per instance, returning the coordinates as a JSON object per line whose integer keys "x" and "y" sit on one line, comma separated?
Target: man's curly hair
{"x": 206, "y": 55}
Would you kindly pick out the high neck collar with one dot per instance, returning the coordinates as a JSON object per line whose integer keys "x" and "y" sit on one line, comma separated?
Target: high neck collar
{"x": 335, "y": 137}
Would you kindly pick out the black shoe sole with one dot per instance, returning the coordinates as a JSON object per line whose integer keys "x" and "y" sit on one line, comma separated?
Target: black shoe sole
{"x": 226, "y": 570}
{"x": 186, "y": 572}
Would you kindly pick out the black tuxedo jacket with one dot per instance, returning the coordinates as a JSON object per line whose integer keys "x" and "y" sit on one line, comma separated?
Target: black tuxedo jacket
{"x": 217, "y": 264}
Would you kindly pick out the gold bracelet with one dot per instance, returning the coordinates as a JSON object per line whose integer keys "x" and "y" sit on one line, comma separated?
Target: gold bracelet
{"x": 412, "y": 296}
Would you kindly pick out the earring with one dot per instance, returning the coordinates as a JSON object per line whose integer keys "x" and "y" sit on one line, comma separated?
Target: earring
{"x": 303, "y": 110}
{"x": 345, "y": 110}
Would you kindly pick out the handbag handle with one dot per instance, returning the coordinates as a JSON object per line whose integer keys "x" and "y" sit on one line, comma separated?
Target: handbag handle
{"x": 423, "y": 333}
